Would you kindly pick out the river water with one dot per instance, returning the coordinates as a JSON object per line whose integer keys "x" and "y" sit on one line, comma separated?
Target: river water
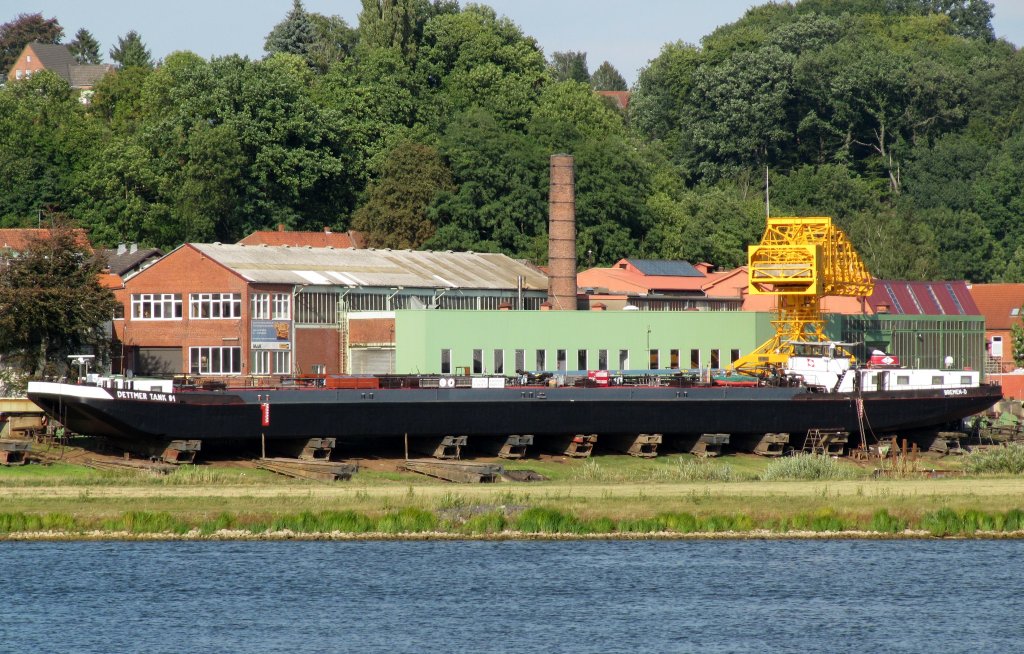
{"x": 519, "y": 596}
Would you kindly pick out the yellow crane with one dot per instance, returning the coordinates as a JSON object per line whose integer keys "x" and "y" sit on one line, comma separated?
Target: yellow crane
{"x": 800, "y": 261}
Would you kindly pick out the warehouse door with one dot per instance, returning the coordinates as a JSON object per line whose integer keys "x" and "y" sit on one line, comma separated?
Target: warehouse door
{"x": 372, "y": 360}
{"x": 156, "y": 361}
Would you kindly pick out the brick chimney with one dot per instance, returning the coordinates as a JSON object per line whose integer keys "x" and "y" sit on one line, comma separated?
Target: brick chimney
{"x": 562, "y": 234}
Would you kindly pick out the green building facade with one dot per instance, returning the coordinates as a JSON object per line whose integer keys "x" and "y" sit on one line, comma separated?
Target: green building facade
{"x": 918, "y": 341}
{"x": 501, "y": 342}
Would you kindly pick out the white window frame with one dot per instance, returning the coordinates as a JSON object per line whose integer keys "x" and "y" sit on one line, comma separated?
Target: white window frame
{"x": 217, "y": 358}
{"x": 156, "y": 303}
{"x": 260, "y": 362}
{"x": 282, "y": 362}
{"x": 214, "y": 305}
{"x": 281, "y": 305}
{"x": 259, "y": 306}
{"x": 499, "y": 362}
{"x": 446, "y": 361}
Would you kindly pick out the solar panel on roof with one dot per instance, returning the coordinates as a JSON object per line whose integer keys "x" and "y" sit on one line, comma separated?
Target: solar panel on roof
{"x": 664, "y": 268}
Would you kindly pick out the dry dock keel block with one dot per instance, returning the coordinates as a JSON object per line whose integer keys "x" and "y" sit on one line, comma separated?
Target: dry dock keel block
{"x": 773, "y": 444}
{"x": 644, "y": 446}
{"x": 181, "y": 452}
{"x": 14, "y": 452}
{"x": 709, "y": 445}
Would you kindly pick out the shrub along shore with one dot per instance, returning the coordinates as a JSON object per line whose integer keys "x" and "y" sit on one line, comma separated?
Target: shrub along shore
{"x": 607, "y": 497}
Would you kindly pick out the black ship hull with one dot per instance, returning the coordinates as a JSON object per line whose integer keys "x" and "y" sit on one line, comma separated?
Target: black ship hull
{"x": 350, "y": 415}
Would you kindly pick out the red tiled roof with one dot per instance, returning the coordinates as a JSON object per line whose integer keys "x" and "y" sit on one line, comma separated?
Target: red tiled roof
{"x": 17, "y": 239}
{"x": 326, "y": 238}
{"x": 110, "y": 280}
{"x": 922, "y": 298}
{"x": 997, "y": 302}
{"x": 625, "y": 277}
{"x": 621, "y": 98}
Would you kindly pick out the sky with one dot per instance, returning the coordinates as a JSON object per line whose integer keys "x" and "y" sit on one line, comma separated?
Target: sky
{"x": 628, "y": 34}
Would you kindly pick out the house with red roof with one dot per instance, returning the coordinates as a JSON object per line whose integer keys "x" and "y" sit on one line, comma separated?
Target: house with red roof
{"x": 324, "y": 239}
{"x": 1001, "y": 304}
{"x": 661, "y": 285}
{"x": 57, "y": 58}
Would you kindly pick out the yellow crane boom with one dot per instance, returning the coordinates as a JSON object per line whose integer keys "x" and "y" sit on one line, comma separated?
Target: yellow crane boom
{"x": 800, "y": 261}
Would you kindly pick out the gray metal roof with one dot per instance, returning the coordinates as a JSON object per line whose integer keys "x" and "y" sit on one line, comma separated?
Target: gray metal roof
{"x": 369, "y": 268}
{"x": 665, "y": 268}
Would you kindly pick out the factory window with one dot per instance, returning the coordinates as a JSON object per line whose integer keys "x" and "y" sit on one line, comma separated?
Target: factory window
{"x": 520, "y": 360}
{"x": 316, "y": 308}
{"x": 602, "y": 359}
{"x": 560, "y": 359}
{"x": 446, "y": 362}
{"x": 715, "y": 360}
{"x": 478, "y": 361}
{"x": 215, "y": 305}
{"x": 156, "y": 306}
{"x": 673, "y": 359}
{"x": 318, "y": 368}
{"x": 282, "y": 306}
{"x": 215, "y": 360}
{"x": 282, "y": 362}
{"x": 623, "y": 359}
{"x": 260, "y": 364}
{"x": 259, "y": 306}
{"x": 654, "y": 363}
{"x": 695, "y": 358}
{"x": 542, "y": 360}
{"x": 499, "y": 362}
{"x": 734, "y": 356}
{"x": 581, "y": 360}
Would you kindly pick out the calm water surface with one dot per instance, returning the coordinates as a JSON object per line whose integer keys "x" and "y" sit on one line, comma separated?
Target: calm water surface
{"x": 605, "y": 596}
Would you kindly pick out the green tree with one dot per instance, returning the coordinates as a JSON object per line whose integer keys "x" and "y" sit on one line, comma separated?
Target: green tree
{"x": 971, "y": 19}
{"x": 131, "y": 51}
{"x": 396, "y": 212}
{"x": 52, "y": 305}
{"x": 389, "y": 24}
{"x": 16, "y": 34}
{"x": 333, "y": 41}
{"x": 500, "y": 204}
{"x": 117, "y": 99}
{"x": 293, "y": 35}
{"x": 45, "y": 139}
{"x": 607, "y": 78}
{"x": 85, "y": 48}
{"x": 741, "y": 121}
{"x": 570, "y": 66}
{"x": 474, "y": 59}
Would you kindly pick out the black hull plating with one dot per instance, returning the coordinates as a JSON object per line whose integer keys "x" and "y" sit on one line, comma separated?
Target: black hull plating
{"x": 353, "y": 415}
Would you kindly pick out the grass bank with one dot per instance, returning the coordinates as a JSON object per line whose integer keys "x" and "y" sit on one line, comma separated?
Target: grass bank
{"x": 609, "y": 496}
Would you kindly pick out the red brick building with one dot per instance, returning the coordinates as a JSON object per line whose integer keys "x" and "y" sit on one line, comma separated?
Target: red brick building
{"x": 246, "y": 312}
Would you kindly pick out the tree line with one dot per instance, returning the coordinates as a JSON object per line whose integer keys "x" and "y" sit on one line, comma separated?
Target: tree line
{"x": 429, "y": 125}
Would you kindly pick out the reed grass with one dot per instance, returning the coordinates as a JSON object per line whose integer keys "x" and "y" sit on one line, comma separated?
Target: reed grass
{"x": 807, "y": 467}
{"x": 543, "y": 521}
{"x": 1008, "y": 459}
{"x": 674, "y": 469}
